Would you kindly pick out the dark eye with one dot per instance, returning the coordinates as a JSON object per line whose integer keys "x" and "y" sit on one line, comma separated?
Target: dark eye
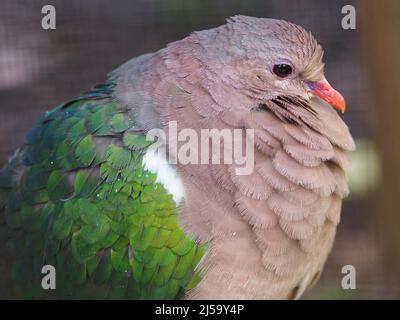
{"x": 282, "y": 70}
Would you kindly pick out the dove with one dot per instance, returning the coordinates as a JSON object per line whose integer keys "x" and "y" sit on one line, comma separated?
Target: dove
{"x": 88, "y": 194}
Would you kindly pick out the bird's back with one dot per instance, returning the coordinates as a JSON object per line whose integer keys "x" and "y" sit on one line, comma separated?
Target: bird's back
{"x": 77, "y": 197}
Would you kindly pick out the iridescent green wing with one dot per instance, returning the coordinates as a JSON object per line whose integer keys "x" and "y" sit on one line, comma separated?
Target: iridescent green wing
{"x": 77, "y": 197}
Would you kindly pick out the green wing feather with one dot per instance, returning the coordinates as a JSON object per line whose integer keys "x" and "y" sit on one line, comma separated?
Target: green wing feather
{"x": 77, "y": 197}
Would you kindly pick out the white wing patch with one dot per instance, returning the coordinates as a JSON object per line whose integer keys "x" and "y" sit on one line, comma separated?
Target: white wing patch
{"x": 156, "y": 163}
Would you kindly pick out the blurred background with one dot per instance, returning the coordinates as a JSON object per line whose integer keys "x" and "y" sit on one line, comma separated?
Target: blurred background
{"x": 40, "y": 69}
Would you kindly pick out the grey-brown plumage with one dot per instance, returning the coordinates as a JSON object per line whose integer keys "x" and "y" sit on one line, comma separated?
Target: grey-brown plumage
{"x": 269, "y": 232}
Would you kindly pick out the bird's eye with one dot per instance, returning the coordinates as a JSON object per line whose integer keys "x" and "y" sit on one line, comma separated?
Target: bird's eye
{"x": 282, "y": 70}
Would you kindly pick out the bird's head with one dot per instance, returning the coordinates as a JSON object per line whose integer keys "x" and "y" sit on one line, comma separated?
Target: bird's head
{"x": 267, "y": 60}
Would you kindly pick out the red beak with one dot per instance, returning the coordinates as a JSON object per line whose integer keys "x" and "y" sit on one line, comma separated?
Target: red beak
{"x": 325, "y": 91}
